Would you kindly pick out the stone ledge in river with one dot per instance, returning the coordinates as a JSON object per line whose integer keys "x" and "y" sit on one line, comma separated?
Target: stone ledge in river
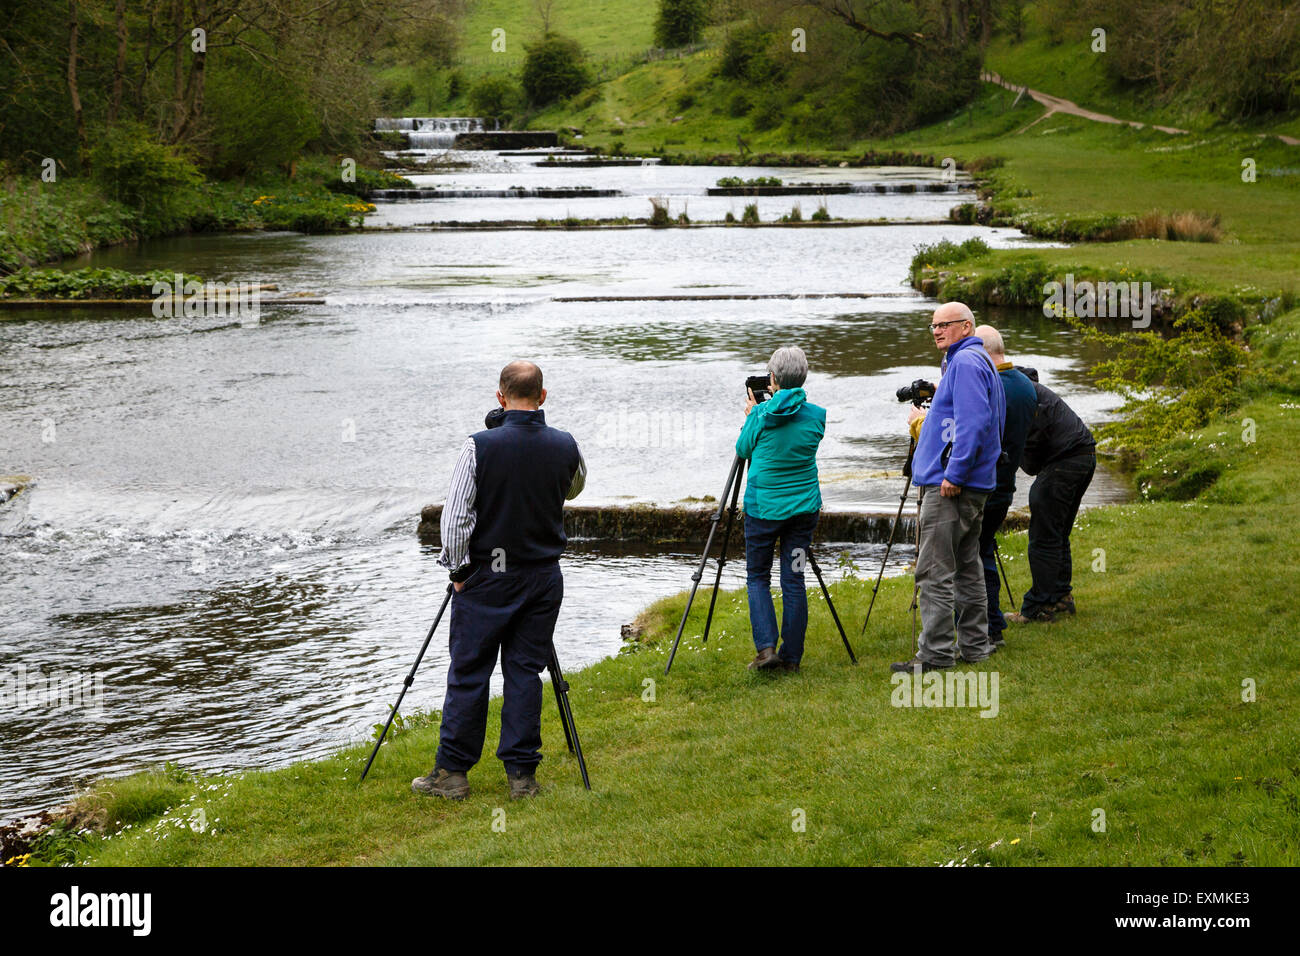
{"x": 689, "y": 524}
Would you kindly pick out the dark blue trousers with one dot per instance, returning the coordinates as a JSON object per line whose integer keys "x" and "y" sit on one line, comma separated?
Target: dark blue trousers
{"x": 512, "y": 612}
{"x": 995, "y": 512}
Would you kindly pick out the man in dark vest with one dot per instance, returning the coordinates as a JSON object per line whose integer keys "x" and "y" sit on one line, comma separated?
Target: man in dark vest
{"x": 502, "y": 537}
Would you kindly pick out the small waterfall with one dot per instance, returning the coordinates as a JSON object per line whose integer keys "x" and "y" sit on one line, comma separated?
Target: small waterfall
{"x": 432, "y": 132}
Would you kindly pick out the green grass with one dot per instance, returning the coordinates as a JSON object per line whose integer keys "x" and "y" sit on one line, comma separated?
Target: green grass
{"x": 1134, "y": 708}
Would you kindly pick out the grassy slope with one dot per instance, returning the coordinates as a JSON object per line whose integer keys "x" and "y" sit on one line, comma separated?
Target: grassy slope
{"x": 1135, "y": 707}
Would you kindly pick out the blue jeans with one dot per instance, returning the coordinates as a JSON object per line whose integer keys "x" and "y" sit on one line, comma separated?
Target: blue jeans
{"x": 795, "y": 534}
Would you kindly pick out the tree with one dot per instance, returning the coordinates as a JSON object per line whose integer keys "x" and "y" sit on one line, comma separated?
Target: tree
{"x": 554, "y": 68}
{"x": 680, "y": 22}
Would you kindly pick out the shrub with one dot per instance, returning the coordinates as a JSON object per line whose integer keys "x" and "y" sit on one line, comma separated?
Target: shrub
{"x": 750, "y": 215}
{"x": 494, "y": 96}
{"x": 822, "y": 214}
{"x": 747, "y": 55}
{"x": 554, "y": 69}
{"x": 156, "y": 180}
{"x": 1170, "y": 385}
{"x": 945, "y": 253}
{"x": 680, "y": 22}
{"x": 739, "y": 105}
{"x": 659, "y": 212}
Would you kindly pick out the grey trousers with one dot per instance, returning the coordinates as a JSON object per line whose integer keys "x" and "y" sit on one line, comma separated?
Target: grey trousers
{"x": 950, "y": 575}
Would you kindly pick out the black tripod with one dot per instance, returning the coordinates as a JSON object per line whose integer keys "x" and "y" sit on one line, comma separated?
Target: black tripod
{"x": 732, "y": 491}
{"x": 893, "y": 530}
{"x": 557, "y": 681}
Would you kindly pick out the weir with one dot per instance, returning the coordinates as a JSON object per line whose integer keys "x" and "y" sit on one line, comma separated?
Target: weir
{"x": 689, "y": 525}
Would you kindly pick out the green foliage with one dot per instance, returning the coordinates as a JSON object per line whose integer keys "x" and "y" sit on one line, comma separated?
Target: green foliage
{"x": 554, "y": 69}
{"x": 735, "y": 182}
{"x": 260, "y": 119}
{"x": 365, "y": 182}
{"x": 821, "y": 214}
{"x": 739, "y": 105}
{"x": 44, "y": 221}
{"x": 750, "y": 215}
{"x": 680, "y": 22}
{"x": 495, "y": 96}
{"x": 86, "y": 283}
{"x": 945, "y": 253}
{"x": 1171, "y": 385}
{"x": 749, "y": 55}
{"x": 132, "y": 167}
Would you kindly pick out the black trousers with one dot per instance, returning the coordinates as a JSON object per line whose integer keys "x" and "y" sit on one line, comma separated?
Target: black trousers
{"x": 1053, "y": 505}
{"x": 995, "y": 512}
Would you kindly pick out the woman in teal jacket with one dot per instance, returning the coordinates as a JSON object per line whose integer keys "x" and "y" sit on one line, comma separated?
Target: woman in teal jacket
{"x": 782, "y": 502}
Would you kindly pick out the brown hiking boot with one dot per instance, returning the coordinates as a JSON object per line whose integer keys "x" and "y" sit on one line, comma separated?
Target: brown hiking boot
{"x": 1065, "y": 605}
{"x": 766, "y": 660}
{"x": 442, "y": 782}
{"x": 1042, "y": 615}
{"x": 524, "y": 785}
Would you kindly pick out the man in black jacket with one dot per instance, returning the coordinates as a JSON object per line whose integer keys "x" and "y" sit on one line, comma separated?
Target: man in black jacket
{"x": 1061, "y": 451}
{"x": 1022, "y": 407}
{"x": 502, "y": 537}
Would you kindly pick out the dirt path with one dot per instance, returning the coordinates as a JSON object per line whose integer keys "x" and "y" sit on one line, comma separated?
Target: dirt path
{"x": 1055, "y": 104}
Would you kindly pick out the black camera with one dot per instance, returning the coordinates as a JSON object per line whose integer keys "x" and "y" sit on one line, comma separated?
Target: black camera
{"x": 760, "y": 385}
{"x": 918, "y": 393}
{"x": 495, "y": 417}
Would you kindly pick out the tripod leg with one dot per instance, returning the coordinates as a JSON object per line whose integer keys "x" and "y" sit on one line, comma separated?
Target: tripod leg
{"x": 722, "y": 557}
{"x": 410, "y": 678}
{"x": 893, "y": 530}
{"x": 831, "y": 604}
{"x": 704, "y": 559}
{"x": 566, "y": 715}
{"x": 1001, "y": 567}
{"x": 559, "y": 700}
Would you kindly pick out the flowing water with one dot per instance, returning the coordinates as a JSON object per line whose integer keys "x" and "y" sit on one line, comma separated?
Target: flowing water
{"x": 220, "y": 533}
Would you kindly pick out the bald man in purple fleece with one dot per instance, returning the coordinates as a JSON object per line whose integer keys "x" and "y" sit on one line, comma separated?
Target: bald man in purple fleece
{"x": 955, "y": 468}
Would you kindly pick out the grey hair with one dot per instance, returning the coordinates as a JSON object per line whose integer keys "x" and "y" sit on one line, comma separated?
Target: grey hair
{"x": 789, "y": 366}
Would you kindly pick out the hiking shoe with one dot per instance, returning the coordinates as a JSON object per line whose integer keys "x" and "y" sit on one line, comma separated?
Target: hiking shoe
{"x": 523, "y": 785}
{"x": 790, "y": 666}
{"x": 442, "y": 782}
{"x": 1041, "y": 616}
{"x": 917, "y": 666}
{"x": 1065, "y": 605}
{"x": 765, "y": 661}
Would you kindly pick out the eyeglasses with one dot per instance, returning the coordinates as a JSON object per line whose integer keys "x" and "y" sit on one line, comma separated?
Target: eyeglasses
{"x": 942, "y": 325}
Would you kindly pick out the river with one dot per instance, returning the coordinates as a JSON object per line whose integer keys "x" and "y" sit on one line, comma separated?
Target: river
{"x": 220, "y": 532}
